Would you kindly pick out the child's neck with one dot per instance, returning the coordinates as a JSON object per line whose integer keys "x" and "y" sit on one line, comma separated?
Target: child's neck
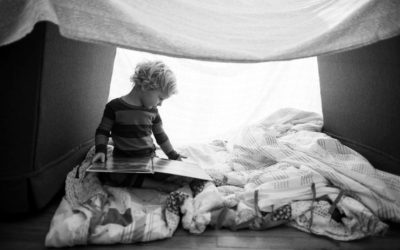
{"x": 133, "y": 98}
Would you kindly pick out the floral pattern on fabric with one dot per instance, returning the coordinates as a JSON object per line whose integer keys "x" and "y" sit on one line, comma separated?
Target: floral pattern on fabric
{"x": 317, "y": 186}
{"x": 197, "y": 186}
{"x": 175, "y": 201}
{"x": 283, "y": 213}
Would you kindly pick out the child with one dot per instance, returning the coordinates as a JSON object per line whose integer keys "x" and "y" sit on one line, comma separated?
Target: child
{"x": 131, "y": 119}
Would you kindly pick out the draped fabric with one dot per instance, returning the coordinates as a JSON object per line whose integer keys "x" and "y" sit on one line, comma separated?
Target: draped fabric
{"x": 215, "y": 98}
{"x": 214, "y": 30}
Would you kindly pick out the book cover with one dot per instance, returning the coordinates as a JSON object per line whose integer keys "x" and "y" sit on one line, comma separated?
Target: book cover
{"x": 150, "y": 165}
{"x": 180, "y": 168}
{"x": 124, "y": 165}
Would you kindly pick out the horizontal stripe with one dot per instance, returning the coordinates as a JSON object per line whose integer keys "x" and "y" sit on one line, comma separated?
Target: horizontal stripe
{"x": 131, "y": 128}
{"x": 157, "y": 119}
{"x": 135, "y": 117}
{"x": 104, "y": 132}
{"x": 134, "y": 153}
{"x": 131, "y": 131}
{"x": 166, "y": 147}
{"x": 161, "y": 138}
{"x": 109, "y": 112}
{"x": 118, "y": 104}
{"x": 158, "y": 128}
{"x": 101, "y": 139}
{"x": 106, "y": 123}
{"x": 127, "y": 144}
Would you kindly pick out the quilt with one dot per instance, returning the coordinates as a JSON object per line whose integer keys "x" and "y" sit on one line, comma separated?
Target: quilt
{"x": 281, "y": 171}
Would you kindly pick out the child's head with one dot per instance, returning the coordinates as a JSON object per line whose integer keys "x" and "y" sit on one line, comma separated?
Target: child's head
{"x": 154, "y": 75}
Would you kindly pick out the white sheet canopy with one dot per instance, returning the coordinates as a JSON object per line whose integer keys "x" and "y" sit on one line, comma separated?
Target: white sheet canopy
{"x": 215, "y": 30}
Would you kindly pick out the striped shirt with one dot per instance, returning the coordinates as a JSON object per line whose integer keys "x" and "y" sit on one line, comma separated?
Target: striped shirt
{"x": 131, "y": 128}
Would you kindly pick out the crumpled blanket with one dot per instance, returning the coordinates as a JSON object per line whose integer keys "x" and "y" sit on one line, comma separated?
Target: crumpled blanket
{"x": 130, "y": 215}
{"x": 280, "y": 171}
{"x": 92, "y": 213}
{"x": 283, "y": 170}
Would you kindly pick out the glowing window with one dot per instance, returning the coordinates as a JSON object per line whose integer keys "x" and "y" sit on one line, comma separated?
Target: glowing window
{"x": 215, "y": 98}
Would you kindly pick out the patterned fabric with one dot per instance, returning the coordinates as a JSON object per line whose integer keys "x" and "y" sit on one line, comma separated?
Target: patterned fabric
{"x": 197, "y": 186}
{"x": 175, "y": 201}
{"x": 82, "y": 187}
{"x": 293, "y": 139}
{"x": 283, "y": 213}
{"x": 304, "y": 157}
{"x": 357, "y": 221}
{"x": 280, "y": 171}
{"x": 92, "y": 213}
{"x": 128, "y": 216}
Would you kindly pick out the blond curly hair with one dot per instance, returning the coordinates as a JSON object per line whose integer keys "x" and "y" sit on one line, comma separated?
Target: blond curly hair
{"x": 153, "y": 75}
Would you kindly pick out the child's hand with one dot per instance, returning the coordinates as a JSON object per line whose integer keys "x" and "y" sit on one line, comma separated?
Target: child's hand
{"x": 181, "y": 157}
{"x": 99, "y": 156}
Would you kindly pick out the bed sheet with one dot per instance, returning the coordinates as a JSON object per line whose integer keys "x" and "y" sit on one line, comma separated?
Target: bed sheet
{"x": 279, "y": 171}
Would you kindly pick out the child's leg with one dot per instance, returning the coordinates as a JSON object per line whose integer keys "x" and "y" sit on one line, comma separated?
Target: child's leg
{"x": 122, "y": 179}
{"x": 158, "y": 181}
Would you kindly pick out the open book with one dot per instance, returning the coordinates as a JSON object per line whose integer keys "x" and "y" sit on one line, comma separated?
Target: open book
{"x": 149, "y": 165}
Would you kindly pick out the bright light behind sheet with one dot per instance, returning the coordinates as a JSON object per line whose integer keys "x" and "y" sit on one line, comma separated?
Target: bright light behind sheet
{"x": 215, "y": 98}
{"x": 212, "y": 30}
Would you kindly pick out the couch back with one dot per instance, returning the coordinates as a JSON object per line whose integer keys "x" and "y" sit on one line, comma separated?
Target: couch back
{"x": 53, "y": 94}
{"x": 360, "y": 91}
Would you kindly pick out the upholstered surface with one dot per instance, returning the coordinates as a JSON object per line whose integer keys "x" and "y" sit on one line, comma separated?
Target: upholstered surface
{"x": 360, "y": 92}
{"x": 55, "y": 91}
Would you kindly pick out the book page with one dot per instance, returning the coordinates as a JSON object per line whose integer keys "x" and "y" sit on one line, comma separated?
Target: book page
{"x": 124, "y": 165}
{"x": 180, "y": 168}
{"x": 149, "y": 165}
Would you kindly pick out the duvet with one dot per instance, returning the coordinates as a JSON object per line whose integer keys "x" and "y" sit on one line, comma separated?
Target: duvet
{"x": 281, "y": 171}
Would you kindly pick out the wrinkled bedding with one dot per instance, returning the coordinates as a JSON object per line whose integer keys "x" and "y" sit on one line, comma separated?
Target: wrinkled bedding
{"x": 281, "y": 171}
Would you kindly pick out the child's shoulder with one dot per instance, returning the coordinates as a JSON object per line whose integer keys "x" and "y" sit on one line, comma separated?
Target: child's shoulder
{"x": 115, "y": 104}
{"x": 114, "y": 101}
{"x": 119, "y": 104}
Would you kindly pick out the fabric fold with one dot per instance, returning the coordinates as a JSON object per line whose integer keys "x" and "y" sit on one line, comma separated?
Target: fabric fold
{"x": 231, "y": 31}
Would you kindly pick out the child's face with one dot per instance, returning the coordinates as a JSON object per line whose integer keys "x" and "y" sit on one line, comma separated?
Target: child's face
{"x": 153, "y": 98}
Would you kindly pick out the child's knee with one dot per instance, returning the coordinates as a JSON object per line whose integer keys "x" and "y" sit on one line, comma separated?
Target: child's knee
{"x": 122, "y": 179}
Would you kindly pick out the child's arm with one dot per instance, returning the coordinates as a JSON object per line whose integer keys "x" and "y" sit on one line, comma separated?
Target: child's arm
{"x": 103, "y": 132}
{"x": 167, "y": 148}
{"x": 163, "y": 140}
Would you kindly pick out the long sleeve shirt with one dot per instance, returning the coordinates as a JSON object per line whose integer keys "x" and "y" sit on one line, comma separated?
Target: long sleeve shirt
{"x": 131, "y": 128}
